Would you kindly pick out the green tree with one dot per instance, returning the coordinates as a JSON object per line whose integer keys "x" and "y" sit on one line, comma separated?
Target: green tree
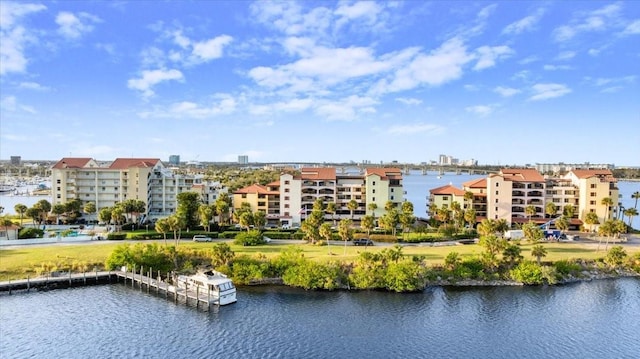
{"x": 21, "y": 209}
{"x": 345, "y": 232}
{"x": 488, "y": 227}
{"x": 492, "y": 244}
{"x": 470, "y": 217}
{"x": 532, "y": 232}
{"x": 373, "y": 208}
{"x": 162, "y": 226}
{"x": 222, "y": 205}
{"x": 468, "y": 199}
{"x": 188, "y": 203}
{"x": 591, "y": 219}
{"x": 407, "y": 219}
{"x": 367, "y": 223}
{"x": 260, "y": 219}
{"x": 538, "y": 251}
{"x": 629, "y": 212}
{"x": 550, "y": 209}
{"x": 636, "y": 196}
{"x": 352, "y": 205}
{"x": 311, "y": 225}
{"x": 530, "y": 211}
{"x": 246, "y": 220}
{"x": 607, "y": 202}
{"x": 458, "y": 215}
{"x": 58, "y": 210}
{"x": 117, "y": 216}
{"x": 176, "y": 223}
{"x": 616, "y": 256}
{"x": 569, "y": 210}
{"x": 331, "y": 209}
{"x": 105, "y": 215}
{"x": 89, "y": 208}
{"x": 511, "y": 255}
{"x": 221, "y": 255}
{"x": 562, "y": 223}
{"x": 205, "y": 214}
{"x": 389, "y": 221}
{"x": 326, "y": 233}
{"x": 6, "y": 222}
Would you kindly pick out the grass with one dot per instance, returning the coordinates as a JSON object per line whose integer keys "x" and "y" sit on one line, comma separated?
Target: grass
{"x": 26, "y": 261}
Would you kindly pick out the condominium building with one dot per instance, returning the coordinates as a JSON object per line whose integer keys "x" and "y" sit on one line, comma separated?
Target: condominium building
{"x": 144, "y": 179}
{"x": 297, "y": 193}
{"x": 507, "y": 194}
{"x": 260, "y": 198}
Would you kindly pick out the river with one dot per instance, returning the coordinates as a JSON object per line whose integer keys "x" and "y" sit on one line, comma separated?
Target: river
{"x": 599, "y": 319}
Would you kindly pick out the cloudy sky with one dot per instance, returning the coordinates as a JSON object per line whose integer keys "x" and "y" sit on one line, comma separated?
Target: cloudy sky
{"x": 503, "y": 82}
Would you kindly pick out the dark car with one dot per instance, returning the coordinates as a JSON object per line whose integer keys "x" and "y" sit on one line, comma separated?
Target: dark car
{"x": 363, "y": 242}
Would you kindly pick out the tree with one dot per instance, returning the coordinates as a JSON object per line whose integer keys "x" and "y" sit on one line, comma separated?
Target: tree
{"x": 562, "y": 223}
{"x": 636, "y": 196}
{"x": 105, "y": 215}
{"x": 117, "y": 216}
{"x": 5, "y": 222}
{"x": 591, "y": 219}
{"x": 470, "y": 217}
{"x": 246, "y": 220}
{"x": 222, "y": 205}
{"x": 389, "y": 221}
{"x": 532, "y": 232}
{"x": 205, "y": 214}
{"x": 58, "y": 210}
{"x": 629, "y": 212}
{"x": 538, "y": 251}
{"x": 89, "y": 208}
{"x": 43, "y": 208}
{"x": 188, "y": 203}
{"x": 616, "y": 256}
{"x": 259, "y": 219}
{"x": 331, "y": 209}
{"x": 221, "y": 255}
{"x": 373, "y": 207}
{"x": 345, "y": 232}
{"x": 511, "y": 255}
{"x": 488, "y": 227}
{"x": 311, "y": 225}
{"x": 21, "y": 209}
{"x": 530, "y": 211}
{"x": 492, "y": 244}
{"x": 162, "y": 226}
{"x": 326, "y": 233}
{"x": 176, "y": 223}
{"x": 352, "y": 205}
{"x": 550, "y": 209}
{"x": 367, "y": 223}
{"x": 468, "y": 199}
{"x": 569, "y": 210}
{"x": 407, "y": 219}
{"x": 607, "y": 202}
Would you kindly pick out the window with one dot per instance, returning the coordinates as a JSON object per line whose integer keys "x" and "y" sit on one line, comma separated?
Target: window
{"x": 58, "y": 181}
{"x": 374, "y": 183}
{"x": 57, "y": 188}
{"x": 593, "y": 185}
{"x": 286, "y": 214}
{"x": 497, "y": 200}
{"x": 286, "y": 198}
{"x": 497, "y": 193}
{"x": 592, "y": 194}
{"x": 286, "y": 182}
{"x": 286, "y": 190}
{"x": 496, "y": 211}
{"x": 286, "y": 205}
{"x": 373, "y": 191}
{"x": 392, "y": 190}
{"x": 445, "y": 198}
{"x": 593, "y": 203}
{"x": 104, "y": 188}
{"x": 497, "y": 184}
{"x": 244, "y": 195}
{"x": 391, "y": 198}
{"x": 373, "y": 199}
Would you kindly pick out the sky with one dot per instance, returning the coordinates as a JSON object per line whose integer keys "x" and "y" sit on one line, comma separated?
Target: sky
{"x": 500, "y": 82}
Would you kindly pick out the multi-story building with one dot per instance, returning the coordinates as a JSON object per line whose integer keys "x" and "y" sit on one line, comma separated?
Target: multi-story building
{"x": 144, "y": 179}
{"x": 260, "y": 198}
{"x": 507, "y": 194}
{"x": 298, "y": 193}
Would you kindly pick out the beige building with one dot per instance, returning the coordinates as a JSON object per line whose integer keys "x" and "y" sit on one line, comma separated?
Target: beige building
{"x": 592, "y": 186}
{"x": 511, "y": 191}
{"x": 261, "y": 198}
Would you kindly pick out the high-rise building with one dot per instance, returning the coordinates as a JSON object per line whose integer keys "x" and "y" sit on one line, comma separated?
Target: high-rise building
{"x": 174, "y": 160}
{"x": 16, "y": 160}
{"x": 243, "y": 159}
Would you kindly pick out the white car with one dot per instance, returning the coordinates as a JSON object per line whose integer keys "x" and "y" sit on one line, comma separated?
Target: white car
{"x": 201, "y": 238}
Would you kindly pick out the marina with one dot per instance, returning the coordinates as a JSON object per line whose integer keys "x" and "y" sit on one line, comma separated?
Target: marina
{"x": 219, "y": 290}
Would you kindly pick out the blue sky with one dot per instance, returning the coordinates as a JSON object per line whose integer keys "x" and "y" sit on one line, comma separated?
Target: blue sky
{"x": 503, "y": 82}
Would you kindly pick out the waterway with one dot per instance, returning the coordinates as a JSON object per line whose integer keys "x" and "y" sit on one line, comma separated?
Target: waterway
{"x": 599, "y": 319}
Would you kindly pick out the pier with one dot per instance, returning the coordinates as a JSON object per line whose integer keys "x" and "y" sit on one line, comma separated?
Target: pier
{"x": 137, "y": 278}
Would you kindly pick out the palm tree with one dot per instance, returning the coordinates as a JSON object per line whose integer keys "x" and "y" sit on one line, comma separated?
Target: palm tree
{"x": 352, "y": 206}
{"x": 635, "y": 196}
{"x": 326, "y": 232}
{"x": 162, "y": 226}
{"x": 562, "y": 223}
{"x": 569, "y": 210}
{"x": 20, "y": 209}
{"x": 332, "y": 208}
{"x": 608, "y": 202}
{"x": 630, "y": 213}
{"x": 367, "y": 224}
{"x": 345, "y": 232}
{"x": 468, "y": 197}
{"x": 530, "y": 211}
{"x": 591, "y": 219}
{"x": 538, "y": 251}
{"x": 551, "y": 209}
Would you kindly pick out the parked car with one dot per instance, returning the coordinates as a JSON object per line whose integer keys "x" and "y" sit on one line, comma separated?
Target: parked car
{"x": 201, "y": 238}
{"x": 363, "y": 242}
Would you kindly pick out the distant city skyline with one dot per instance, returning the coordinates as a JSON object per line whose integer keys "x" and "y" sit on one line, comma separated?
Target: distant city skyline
{"x": 502, "y": 83}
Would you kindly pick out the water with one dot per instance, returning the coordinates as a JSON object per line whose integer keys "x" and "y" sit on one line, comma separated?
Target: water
{"x": 599, "y": 319}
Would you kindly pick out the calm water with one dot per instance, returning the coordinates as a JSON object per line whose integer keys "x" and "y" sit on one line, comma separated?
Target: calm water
{"x": 600, "y": 319}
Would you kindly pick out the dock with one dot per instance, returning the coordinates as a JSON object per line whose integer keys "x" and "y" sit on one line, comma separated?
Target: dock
{"x": 137, "y": 278}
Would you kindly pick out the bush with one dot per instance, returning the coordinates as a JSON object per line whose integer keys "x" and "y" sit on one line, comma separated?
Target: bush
{"x": 312, "y": 275}
{"x": 406, "y": 276}
{"x": 116, "y": 236}
{"x": 244, "y": 269}
{"x": 616, "y": 256}
{"x": 251, "y": 238}
{"x": 528, "y": 272}
{"x": 566, "y": 268}
{"x": 30, "y": 233}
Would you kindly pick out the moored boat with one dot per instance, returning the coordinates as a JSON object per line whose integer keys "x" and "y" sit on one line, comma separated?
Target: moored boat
{"x": 215, "y": 285}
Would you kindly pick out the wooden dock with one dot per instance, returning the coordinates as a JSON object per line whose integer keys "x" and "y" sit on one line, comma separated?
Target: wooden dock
{"x": 136, "y": 278}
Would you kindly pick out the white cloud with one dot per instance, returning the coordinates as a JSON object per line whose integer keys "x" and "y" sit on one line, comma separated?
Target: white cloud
{"x": 11, "y": 104}
{"x": 222, "y": 104}
{"x": 210, "y": 49}
{"x": 415, "y": 129}
{"x": 548, "y": 91}
{"x": 409, "y": 101}
{"x": 506, "y": 91}
{"x": 151, "y": 78}
{"x": 528, "y": 60}
{"x": 556, "y": 67}
{"x": 566, "y": 55}
{"x": 13, "y": 36}
{"x": 597, "y": 20}
{"x": 72, "y": 26}
{"x": 525, "y": 24}
{"x": 487, "y": 56}
{"x": 632, "y": 29}
{"x": 481, "y": 110}
{"x": 33, "y": 86}
{"x": 346, "y": 109}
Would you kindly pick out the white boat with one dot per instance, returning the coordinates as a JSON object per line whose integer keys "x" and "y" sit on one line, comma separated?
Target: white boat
{"x": 217, "y": 287}
{"x": 7, "y": 189}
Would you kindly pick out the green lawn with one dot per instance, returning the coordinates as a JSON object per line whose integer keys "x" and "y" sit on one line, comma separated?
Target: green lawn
{"x": 23, "y": 262}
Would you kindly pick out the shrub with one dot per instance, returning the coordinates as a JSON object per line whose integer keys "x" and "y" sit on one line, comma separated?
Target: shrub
{"x": 566, "y": 268}
{"x": 312, "y": 275}
{"x": 616, "y": 256}
{"x": 244, "y": 269}
{"x": 406, "y": 276}
{"x": 251, "y": 238}
{"x": 116, "y": 236}
{"x": 528, "y": 272}
{"x": 30, "y": 233}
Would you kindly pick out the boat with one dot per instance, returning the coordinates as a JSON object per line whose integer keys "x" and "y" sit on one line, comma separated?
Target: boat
{"x": 215, "y": 285}
{"x": 6, "y": 189}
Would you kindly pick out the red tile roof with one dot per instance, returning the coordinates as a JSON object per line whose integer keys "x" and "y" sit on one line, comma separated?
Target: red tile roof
{"x": 124, "y": 163}
{"x": 448, "y": 189}
{"x": 72, "y": 162}
{"x": 392, "y": 173}
{"x": 255, "y": 188}
{"x": 326, "y": 173}
{"x": 521, "y": 175}
{"x": 606, "y": 174}
{"x": 476, "y": 183}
